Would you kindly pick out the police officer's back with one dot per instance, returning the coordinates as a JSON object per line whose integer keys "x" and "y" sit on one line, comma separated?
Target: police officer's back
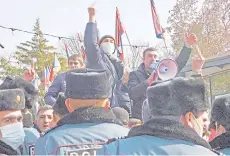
{"x": 91, "y": 122}
{"x": 221, "y": 116}
{"x": 176, "y": 125}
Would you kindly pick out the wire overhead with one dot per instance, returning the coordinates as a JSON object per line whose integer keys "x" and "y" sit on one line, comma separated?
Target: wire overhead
{"x": 29, "y": 32}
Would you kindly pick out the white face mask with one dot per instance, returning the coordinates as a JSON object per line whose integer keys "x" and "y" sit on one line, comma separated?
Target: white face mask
{"x": 108, "y": 48}
{"x": 13, "y": 134}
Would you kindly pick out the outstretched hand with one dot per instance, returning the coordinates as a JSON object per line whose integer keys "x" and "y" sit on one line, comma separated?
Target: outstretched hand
{"x": 190, "y": 39}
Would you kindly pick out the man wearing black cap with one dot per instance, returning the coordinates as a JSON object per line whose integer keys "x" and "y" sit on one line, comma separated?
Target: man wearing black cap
{"x": 11, "y": 126}
{"x": 144, "y": 76}
{"x": 176, "y": 127}
{"x": 31, "y": 96}
{"x": 221, "y": 116}
{"x": 103, "y": 55}
{"x": 91, "y": 122}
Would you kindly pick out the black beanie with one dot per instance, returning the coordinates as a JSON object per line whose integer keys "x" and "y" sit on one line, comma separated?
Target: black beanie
{"x": 104, "y": 37}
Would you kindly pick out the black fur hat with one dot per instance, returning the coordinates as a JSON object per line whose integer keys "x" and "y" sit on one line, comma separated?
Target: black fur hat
{"x": 12, "y": 99}
{"x": 60, "y": 107}
{"x": 30, "y": 92}
{"x": 178, "y": 97}
{"x": 221, "y": 111}
{"x": 87, "y": 84}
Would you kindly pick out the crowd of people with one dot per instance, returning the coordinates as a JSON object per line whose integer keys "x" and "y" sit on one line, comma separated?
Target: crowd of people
{"x": 99, "y": 108}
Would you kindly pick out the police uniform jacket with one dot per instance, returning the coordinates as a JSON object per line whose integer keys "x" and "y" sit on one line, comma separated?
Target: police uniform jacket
{"x": 159, "y": 137}
{"x": 81, "y": 132}
{"x": 31, "y": 136}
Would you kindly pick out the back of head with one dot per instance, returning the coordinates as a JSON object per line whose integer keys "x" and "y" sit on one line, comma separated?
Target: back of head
{"x": 30, "y": 92}
{"x": 121, "y": 114}
{"x": 221, "y": 111}
{"x": 177, "y": 97}
{"x": 87, "y": 86}
{"x": 60, "y": 107}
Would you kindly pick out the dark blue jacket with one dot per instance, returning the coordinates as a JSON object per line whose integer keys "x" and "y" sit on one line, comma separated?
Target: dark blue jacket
{"x": 159, "y": 137}
{"x": 58, "y": 85}
{"x": 98, "y": 59}
{"x": 82, "y": 131}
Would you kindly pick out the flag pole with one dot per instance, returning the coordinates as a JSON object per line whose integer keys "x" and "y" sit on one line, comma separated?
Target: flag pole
{"x": 129, "y": 41}
{"x": 165, "y": 45}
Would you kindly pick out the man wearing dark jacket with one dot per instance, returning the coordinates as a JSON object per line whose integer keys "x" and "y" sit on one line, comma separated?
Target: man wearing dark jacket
{"x": 102, "y": 55}
{"x": 143, "y": 77}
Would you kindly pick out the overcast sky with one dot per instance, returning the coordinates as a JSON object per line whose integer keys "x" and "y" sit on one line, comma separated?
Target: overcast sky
{"x": 66, "y": 17}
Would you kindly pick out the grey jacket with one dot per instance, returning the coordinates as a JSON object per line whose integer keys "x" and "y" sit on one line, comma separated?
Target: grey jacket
{"x": 58, "y": 85}
{"x": 137, "y": 83}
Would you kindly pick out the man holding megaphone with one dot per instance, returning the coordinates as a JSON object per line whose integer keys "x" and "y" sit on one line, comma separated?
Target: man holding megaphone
{"x": 152, "y": 70}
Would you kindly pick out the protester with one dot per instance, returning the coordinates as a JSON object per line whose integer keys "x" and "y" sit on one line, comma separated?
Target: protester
{"x": 197, "y": 63}
{"x": 59, "y": 109}
{"x": 102, "y": 55}
{"x": 176, "y": 127}
{"x": 75, "y": 61}
{"x": 91, "y": 121}
{"x": 206, "y": 121}
{"x": 144, "y": 77}
{"x": 44, "y": 118}
{"x": 11, "y": 126}
{"x": 221, "y": 116}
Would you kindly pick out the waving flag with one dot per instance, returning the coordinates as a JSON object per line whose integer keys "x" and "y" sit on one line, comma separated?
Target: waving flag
{"x": 158, "y": 29}
{"x": 66, "y": 50}
{"x": 55, "y": 68}
{"x": 82, "y": 46}
{"x": 118, "y": 35}
{"x": 46, "y": 73}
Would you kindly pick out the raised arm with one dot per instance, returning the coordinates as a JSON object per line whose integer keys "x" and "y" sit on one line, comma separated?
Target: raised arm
{"x": 92, "y": 49}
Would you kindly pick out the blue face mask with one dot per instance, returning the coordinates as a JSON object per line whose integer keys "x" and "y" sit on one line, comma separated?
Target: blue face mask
{"x": 153, "y": 66}
{"x": 13, "y": 134}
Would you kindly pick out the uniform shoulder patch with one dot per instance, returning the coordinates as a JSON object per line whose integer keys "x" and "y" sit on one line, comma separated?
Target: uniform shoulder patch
{"x": 115, "y": 139}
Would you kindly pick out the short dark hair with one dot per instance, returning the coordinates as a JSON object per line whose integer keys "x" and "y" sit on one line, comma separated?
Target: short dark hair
{"x": 44, "y": 108}
{"x": 148, "y": 49}
{"x": 76, "y": 57}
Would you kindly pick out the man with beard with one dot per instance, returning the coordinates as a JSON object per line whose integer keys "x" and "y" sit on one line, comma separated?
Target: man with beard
{"x": 90, "y": 123}
{"x": 221, "y": 116}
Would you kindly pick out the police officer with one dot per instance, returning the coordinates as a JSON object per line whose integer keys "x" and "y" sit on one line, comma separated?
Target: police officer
{"x": 177, "y": 108}
{"x": 11, "y": 126}
{"x": 59, "y": 109}
{"x": 91, "y": 122}
{"x": 31, "y": 96}
{"x": 221, "y": 116}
